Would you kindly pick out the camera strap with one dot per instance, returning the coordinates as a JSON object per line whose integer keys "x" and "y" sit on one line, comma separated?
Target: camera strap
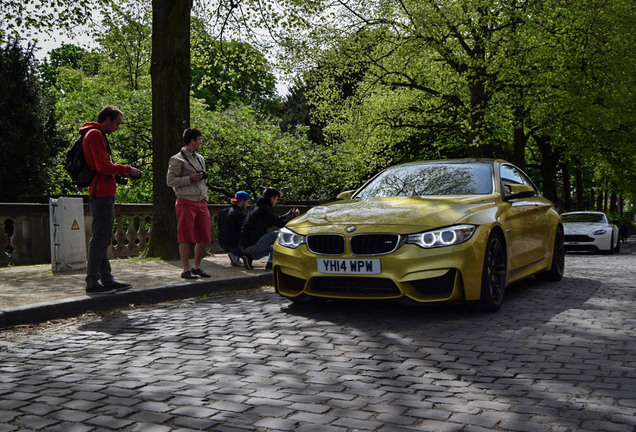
{"x": 188, "y": 160}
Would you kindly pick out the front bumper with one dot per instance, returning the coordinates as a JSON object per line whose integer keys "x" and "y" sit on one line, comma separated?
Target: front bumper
{"x": 424, "y": 275}
{"x": 586, "y": 243}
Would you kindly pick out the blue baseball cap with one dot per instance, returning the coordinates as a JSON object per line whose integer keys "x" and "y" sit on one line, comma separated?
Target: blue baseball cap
{"x": 241, "y": 196}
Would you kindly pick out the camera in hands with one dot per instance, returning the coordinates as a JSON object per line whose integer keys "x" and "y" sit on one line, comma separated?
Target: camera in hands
{"x": 124, "y": 181}
{"x": 204, "y": 175}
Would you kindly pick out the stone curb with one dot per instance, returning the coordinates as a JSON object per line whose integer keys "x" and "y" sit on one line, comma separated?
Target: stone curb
{"x": 72, "y": 307}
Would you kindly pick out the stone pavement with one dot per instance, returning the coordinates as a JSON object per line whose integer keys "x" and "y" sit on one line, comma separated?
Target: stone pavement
{"x": 32, "y": 294}
{"x": 556, "y": 357}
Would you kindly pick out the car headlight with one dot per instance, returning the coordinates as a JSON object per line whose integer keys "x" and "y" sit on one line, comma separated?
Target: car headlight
{"x": 290, "y": 239}
{"x": 442, "y": 237}
{"x": 598, "y": 232}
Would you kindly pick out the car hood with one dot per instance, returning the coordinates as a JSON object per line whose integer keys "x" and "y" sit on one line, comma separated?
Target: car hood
{"x": 396, "y": 214}
{"x": 573, "y": 228}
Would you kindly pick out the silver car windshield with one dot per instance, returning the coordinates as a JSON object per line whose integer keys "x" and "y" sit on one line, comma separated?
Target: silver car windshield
{"x": 584, "y": 217}
{"x": 430, "y": 179}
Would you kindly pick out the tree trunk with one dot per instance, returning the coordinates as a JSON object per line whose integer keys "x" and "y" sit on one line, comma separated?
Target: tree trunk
{"x": 567, "y": 187}
{"x": 549, "y": 165}
{"x": 479, "y": 98}
{"x": 580, "y": 197}
{"x": 613, "y": 208}
{"x": 520, "y": 139}
{"x": 170, "y": 73}
{"x": 600, "y": 201}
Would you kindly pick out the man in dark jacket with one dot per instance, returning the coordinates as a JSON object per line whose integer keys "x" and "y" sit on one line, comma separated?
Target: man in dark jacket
{"x": 230, "y": 222}
{"x": 254, "y": 238}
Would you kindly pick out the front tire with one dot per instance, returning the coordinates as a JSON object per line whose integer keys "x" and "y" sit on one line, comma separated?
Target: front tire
{"x": 611, "y": 249}
{"x": 493, "y": 278}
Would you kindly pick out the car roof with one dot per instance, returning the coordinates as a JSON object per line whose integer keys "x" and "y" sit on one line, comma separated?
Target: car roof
{"x": 454, "y": 161}
{"x": 583, "y": 212}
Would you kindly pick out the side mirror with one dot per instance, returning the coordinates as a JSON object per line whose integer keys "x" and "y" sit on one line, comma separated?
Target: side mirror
{"x": 345, "y": 195}
{"x": 516, "y": 190}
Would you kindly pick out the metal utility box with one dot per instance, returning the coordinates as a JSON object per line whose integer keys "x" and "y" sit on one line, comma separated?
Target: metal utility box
{"x": 68, "y": 234}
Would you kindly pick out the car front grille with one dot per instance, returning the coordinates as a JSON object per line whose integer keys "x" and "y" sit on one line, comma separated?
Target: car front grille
{"x": 442, "y": 285}
{"x": 374, "y": 244}
{"x": 355, "y": 286}
{"x": 578, "y": 238}
{"x": 361, "y": 244}
{"x": 326, "y": 244}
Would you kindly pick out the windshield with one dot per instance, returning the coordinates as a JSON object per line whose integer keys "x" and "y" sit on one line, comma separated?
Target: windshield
{"x": 584, "y": 217}
{"x": 430, "y": 179}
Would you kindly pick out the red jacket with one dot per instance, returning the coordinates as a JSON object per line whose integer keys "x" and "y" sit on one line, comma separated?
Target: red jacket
{"x": 97, "y": 158}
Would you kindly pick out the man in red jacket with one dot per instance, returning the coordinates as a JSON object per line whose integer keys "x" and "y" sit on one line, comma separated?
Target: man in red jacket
{"x": 102, "y": 198}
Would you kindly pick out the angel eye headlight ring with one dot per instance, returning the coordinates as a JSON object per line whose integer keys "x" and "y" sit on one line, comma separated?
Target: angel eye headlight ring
{"x": 442, "y": 237}
{"x": 289, "y": 239}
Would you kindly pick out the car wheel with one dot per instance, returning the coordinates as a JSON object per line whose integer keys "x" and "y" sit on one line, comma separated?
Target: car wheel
{"x": 618, "y": 246}
{"x": 493, "y": 278}
{"x": 611, "y": 249}
{"x": 555, "y": 274}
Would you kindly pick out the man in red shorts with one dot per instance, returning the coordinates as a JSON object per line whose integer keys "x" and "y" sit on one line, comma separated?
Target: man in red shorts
{"x": 186, "y": 175}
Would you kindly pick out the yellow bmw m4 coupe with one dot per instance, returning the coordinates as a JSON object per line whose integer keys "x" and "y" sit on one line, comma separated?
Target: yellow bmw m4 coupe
{"x": 435, "y": 231}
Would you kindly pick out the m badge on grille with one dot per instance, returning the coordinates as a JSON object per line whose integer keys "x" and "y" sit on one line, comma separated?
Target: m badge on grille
{"x": 350, "y": 229}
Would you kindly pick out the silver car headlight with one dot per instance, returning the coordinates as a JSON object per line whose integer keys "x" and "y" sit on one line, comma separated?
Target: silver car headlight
{"x": 598, "y": 232}
{"x": 442, "y": 237}
{"x": 290, "y": 239}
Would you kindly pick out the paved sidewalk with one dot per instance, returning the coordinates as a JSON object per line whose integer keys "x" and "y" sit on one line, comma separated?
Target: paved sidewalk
{"x": 32, "y": 294}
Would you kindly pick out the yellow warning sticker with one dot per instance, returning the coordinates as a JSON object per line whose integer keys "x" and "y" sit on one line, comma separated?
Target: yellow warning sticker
{"x": 75, "y": 225}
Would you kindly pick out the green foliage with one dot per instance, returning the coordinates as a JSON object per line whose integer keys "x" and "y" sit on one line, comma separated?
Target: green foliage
{"x": 548, "y": 85}
{"x": 595, "y": 120}
{"x": 245, "y": 151}
{"x": 239, "y": 135}
{"x": 125, "y": 40}
{"x": 27, "y": 135}
{"x": 71, "y": 56}
{"x": 80, "y": 100}
{"x": 540, "y": 83}
{"x": 117, "y": 73}
{"x": 226, "y": 73}
{"x": 22, "y": 19}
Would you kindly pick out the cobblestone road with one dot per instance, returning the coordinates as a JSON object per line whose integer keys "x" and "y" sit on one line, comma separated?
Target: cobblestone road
{"x": 557, "y": 357}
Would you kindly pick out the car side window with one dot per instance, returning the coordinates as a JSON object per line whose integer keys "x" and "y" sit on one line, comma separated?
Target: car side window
{"x": 512, "y": 174}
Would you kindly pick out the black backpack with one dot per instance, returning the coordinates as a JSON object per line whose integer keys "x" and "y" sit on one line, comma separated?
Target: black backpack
{"x": 76, "y": 166}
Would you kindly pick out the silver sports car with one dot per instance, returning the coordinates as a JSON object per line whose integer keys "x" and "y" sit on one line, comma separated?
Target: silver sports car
{"x": 590, "y": 231}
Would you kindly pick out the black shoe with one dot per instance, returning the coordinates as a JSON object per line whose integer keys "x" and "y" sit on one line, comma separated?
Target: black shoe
{"x": 199, "y": 272}
{"x": 189, "y": 275}
{"x": 268, "y": 266}
{"x": 99, "y": 289}
{"x": 247, "y": 263}
{"x": 118, "y": 286}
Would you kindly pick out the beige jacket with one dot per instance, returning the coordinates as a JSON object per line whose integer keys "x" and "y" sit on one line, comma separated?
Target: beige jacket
{"x": 178, "y": 177}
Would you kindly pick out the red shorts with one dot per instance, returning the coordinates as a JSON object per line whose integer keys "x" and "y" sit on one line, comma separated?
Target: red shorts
{"x": 193, "y": 221}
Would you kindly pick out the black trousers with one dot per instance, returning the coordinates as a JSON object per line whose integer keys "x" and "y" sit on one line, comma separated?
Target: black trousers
{"x": 98, "y": 267}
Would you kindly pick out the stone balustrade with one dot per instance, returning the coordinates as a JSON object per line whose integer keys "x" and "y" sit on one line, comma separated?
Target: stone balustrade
{"x": 25, "y": 232}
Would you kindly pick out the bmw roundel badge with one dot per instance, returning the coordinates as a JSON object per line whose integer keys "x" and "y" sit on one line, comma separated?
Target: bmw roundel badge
{"x": 350, "y": 229}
